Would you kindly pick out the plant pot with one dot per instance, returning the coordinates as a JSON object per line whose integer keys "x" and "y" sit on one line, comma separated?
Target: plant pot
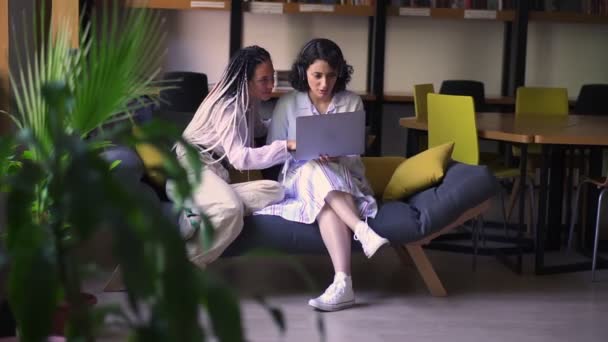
{"x": 63, "y": 312}
{"x": 7, "y": 321}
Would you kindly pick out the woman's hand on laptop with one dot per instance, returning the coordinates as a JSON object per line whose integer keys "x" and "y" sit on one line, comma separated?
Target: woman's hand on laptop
{"x": 291, "y": 145}
{"x": 326, "y": 159}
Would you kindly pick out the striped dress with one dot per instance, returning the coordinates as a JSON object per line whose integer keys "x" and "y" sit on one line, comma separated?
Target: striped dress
{"x": 307, "y": 184}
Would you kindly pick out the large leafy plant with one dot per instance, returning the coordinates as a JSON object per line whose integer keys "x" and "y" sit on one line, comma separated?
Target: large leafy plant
{"x": 60, "y": 191}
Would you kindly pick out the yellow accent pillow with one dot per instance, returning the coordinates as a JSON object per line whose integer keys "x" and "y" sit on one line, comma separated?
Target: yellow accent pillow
{"x": 419, "y": 172}
{"x": 153, "y": 160}
{"x": 378, "y": 171}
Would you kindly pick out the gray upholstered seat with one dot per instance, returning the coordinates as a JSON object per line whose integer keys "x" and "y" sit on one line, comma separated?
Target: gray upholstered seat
{"x": 463, "y": 187}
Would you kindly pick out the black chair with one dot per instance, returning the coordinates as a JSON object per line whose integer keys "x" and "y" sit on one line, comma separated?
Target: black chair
{"x": 592, "y": 100}
{"x": 474, "y": 89}
{"x": 187, "y": 92}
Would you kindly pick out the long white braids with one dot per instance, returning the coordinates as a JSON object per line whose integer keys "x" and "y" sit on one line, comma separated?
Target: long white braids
{"x": 226, "y": 106}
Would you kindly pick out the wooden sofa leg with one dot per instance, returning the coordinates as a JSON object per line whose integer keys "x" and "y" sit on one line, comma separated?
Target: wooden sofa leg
{"x": 424, "y": 266}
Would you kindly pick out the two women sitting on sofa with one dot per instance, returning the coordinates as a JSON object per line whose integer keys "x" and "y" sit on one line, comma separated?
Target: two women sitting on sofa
{"x": 330, "y": 191}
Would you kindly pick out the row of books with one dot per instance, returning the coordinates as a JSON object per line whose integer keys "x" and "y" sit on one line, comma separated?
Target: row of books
{"x": 598, "y": 7}
{"x": 466, "y": 4}
{"x": 326, "y": 2}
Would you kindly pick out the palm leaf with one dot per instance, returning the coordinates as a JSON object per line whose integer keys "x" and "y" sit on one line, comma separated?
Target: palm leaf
{"x": 117, "y": 63}
{"x": 118, "y": 67}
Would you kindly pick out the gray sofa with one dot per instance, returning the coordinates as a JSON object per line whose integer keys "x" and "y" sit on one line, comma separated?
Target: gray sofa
{"x": 464, "y": 193}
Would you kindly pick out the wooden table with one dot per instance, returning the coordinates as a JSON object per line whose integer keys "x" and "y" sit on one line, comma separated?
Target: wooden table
{"x": 409, "y": 98}
{"x": 500, "y": 127}
{"x": 550, "y": 132}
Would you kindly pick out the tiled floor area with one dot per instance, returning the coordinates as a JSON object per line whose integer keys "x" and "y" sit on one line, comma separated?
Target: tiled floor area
{"x": 490, "y": 304}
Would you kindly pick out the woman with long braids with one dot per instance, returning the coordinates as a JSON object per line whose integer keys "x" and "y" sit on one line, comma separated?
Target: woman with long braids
{"x": 222, "y": 130}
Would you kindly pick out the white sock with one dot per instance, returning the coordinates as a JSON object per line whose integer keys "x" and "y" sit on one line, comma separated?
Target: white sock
{"x": 360, "y": 225}
{"x": 340, "y": 276}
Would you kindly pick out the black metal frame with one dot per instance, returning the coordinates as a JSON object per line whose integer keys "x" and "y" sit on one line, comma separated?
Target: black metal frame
{"x": 518, "y": 32}
{"x": 236, "y": 26}
{"x": 375, "y": 70}
{"x": 550, "y": 211}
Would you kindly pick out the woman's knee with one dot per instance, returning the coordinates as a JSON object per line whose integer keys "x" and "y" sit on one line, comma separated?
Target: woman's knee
{"x": 231, "y": 218}
{"x": 337, "y": 195}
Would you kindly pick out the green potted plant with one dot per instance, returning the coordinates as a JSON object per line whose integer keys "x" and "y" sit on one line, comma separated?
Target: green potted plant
{"x": 60, "y": 191}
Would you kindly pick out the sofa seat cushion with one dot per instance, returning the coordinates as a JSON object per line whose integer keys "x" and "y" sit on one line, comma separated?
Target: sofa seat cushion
{"x": 398, "y": 221}
{"x": 463, "y": 187}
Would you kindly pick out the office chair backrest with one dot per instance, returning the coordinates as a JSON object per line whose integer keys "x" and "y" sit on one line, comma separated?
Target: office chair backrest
{"x": 592, "y": 100}
{"x": 420, "y": 104}
{"x": 468, "y": 88}
{"x": 190, "y": 88}
{"x": 541, "y": 101}
{"x": 452, "y": 118}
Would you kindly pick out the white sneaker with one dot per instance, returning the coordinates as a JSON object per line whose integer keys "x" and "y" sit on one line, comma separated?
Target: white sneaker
{"x": 338, "y": 296}
{"x": 369, "y": 239}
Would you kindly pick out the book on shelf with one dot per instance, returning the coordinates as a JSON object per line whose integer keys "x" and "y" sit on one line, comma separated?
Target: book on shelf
{"x": 593, "y": 7}
{"x": 463, "y": 4}
{"x": 325, "y": 2}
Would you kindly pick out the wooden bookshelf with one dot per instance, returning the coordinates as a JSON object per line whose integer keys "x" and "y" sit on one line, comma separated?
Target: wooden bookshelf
{"x": 307, "y": 8}
{"x": 568, "y": 17}
{"x": 452, "y": 13}
{"x": 66, "y": 12}
{"x": 220, "y": 5}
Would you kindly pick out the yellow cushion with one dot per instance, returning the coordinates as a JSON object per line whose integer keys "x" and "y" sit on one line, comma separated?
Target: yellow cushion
{"x": 419, "y": 172}
{"x": 378, "y": 171}
{"x": 153, "y": 161}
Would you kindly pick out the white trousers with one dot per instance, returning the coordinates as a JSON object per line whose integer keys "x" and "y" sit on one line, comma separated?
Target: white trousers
{"x": 225, "y": 205}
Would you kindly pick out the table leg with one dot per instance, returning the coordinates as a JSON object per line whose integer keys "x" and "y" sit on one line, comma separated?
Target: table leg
{"x": 412, "y": 147}
{"x": 539, "y": 250}
{"x": 555, "y": 228}
{"x": 523, "y": 176}
{"x": 595, "y": 171}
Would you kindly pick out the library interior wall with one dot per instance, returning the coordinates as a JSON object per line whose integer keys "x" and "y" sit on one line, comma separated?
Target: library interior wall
{"x": 418, "y": 50}
{"x": 567, "y": 55}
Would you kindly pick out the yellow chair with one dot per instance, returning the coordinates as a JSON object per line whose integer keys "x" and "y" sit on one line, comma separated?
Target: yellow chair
{"x": 421, "y": 110}
{"x": 552, "y": 102}
{"x": 537, "y": 101}
{"x": 541, "y": 101}
{"x": 420, "y": 104}
{"x": 452, "y": 118}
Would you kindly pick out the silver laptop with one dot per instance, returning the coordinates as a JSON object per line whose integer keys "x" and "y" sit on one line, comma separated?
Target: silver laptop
{"x": 336, "y": 135}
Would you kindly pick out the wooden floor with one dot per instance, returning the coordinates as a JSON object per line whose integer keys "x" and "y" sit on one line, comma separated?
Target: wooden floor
{"x": 491, "y": 304}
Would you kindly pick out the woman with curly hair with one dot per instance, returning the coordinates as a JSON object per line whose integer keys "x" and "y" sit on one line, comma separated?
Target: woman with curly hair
{"x": 331, "y": 191}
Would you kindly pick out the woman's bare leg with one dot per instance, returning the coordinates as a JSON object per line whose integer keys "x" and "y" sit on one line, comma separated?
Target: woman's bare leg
{"x": 343, "y": 205}
{"x": 337, "y": 238}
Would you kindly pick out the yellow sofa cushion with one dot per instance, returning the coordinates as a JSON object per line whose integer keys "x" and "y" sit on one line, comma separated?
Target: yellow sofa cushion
{"x": 419, "y": 172}
{"x": 378, "y": 171}
{"x": 153, "y": 161}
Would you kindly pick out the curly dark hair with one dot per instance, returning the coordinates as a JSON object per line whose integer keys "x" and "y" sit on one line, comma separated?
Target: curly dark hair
{"x": 326, "y": 50}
